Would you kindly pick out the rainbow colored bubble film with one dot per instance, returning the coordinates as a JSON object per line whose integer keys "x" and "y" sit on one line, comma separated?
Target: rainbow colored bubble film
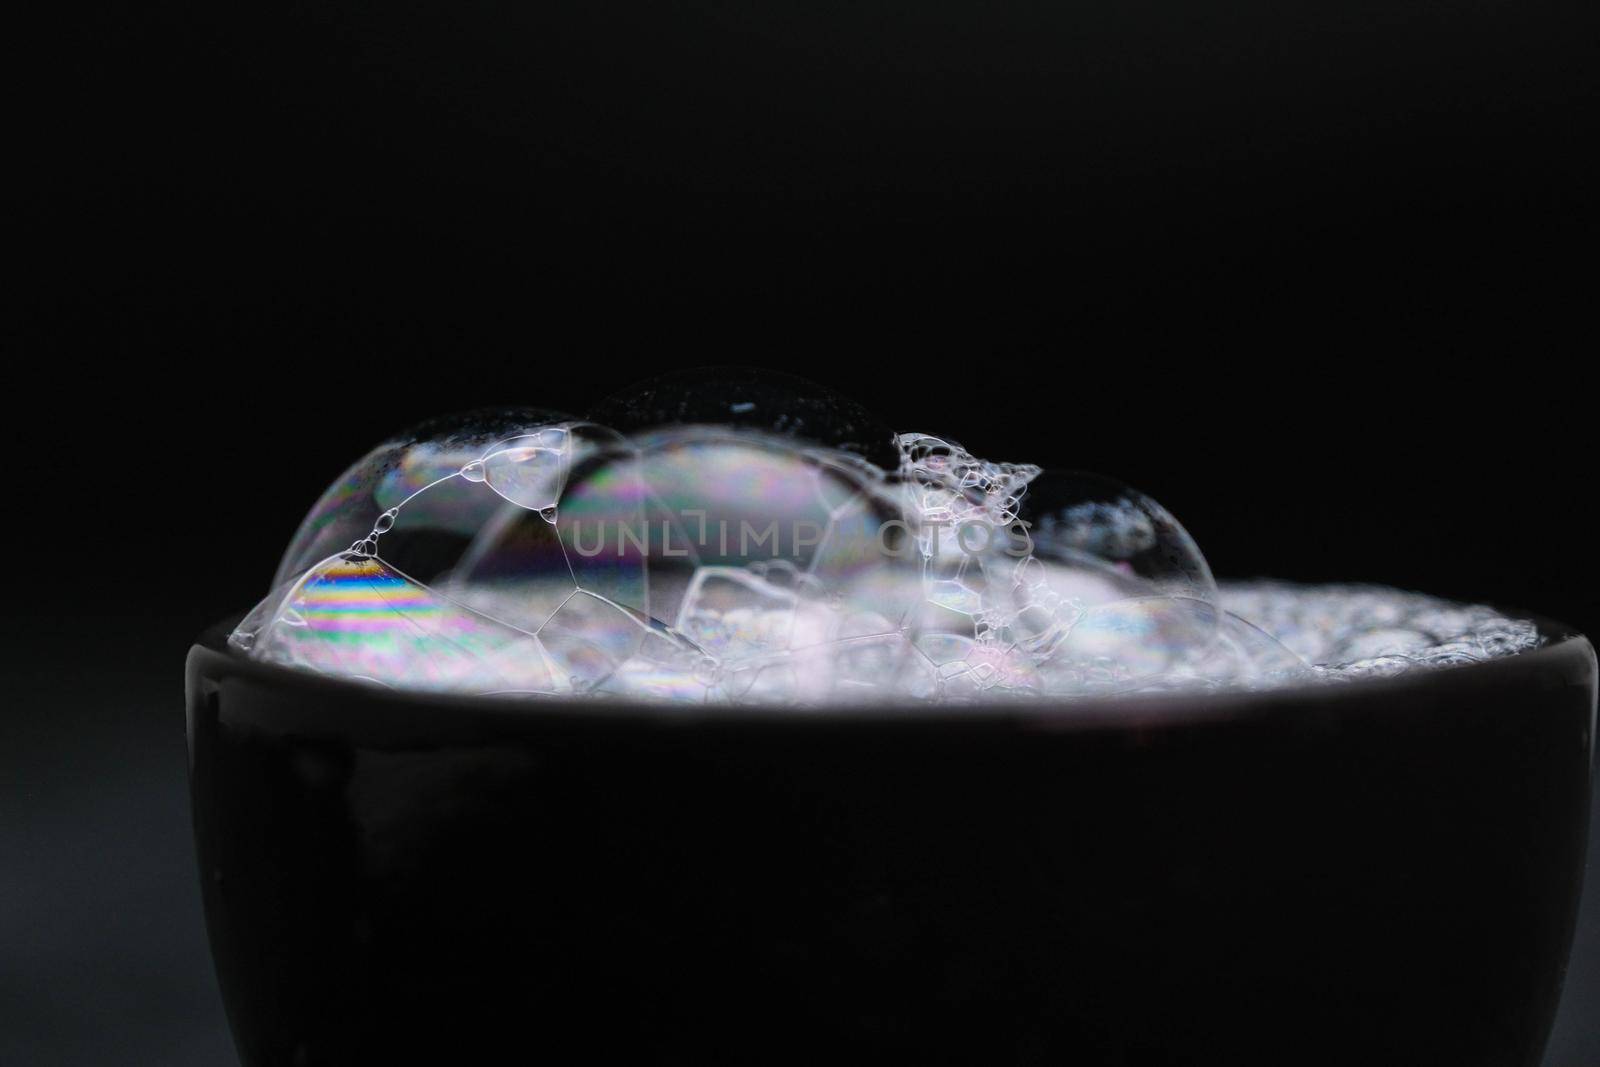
{"x": 523, "y": 553}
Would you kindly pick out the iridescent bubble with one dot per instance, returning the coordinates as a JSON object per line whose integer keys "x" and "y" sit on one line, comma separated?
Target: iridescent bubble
{"x": 426, "y": 456}
{"x": 361, "y": 618}
{"x": 522, "y": 553}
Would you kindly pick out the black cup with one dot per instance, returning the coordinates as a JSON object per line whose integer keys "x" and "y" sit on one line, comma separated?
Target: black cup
{"x": 1381, "y": 872}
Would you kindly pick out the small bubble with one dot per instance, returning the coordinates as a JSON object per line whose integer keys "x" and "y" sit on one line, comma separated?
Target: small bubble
{"x": 707, "y": 671}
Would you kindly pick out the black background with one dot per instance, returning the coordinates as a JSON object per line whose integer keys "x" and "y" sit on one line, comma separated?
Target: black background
{"x": 1317, "y": 276}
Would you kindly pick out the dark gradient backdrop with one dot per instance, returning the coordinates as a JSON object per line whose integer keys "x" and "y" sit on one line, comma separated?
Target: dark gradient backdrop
{"x": 1318, "y": 276}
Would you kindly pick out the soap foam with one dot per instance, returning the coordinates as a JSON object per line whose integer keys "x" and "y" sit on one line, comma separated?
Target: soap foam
{"x": 529, "y": 554}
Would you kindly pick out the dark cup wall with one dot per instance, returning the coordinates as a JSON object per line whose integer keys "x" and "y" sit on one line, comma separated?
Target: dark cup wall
{"x": 1384, "y": 872}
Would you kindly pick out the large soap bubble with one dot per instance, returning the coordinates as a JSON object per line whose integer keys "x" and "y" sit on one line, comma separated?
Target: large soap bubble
{"x": 732, "y": 558}
{"x": 1102, "y": 528}
{"x": 427, "y": 456}
{"x": 743, "y": 398}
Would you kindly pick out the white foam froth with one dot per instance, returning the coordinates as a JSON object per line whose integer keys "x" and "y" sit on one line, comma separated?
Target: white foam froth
{"x": 1348, "y": 632}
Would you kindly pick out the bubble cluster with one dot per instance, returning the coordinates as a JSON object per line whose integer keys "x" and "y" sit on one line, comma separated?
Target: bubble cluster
{"x": 732, "y": 559}
{"x": 1363, "y": 631}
